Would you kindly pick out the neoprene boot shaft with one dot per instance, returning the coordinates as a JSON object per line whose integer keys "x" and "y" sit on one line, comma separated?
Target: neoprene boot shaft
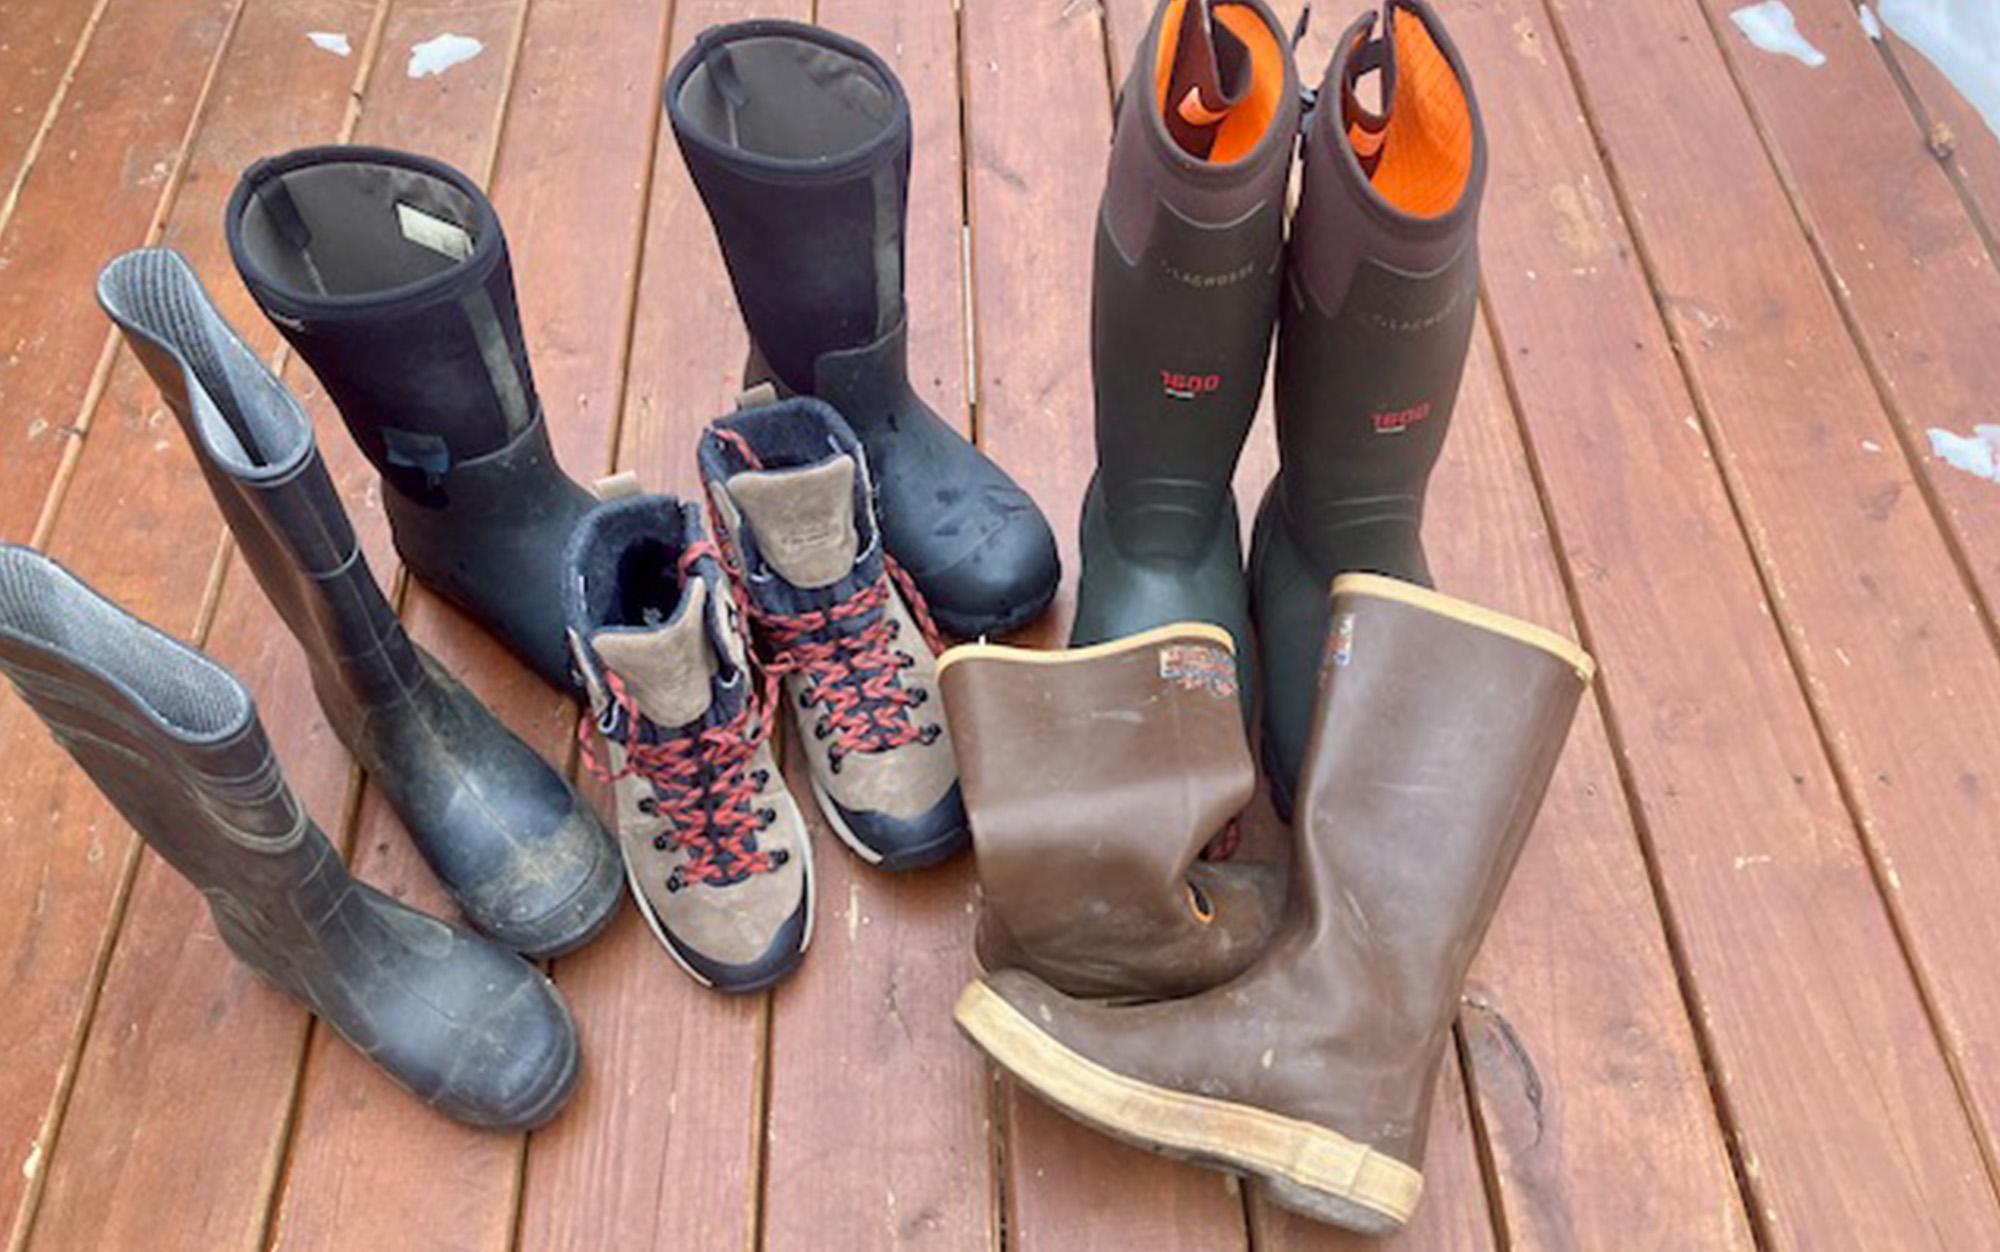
{"x": 173, "y": 742}
{"x": 389, "y": 274}
{"x": 1381, "y": 289}
{"x": 526, "y": 860}
{"x": 798, "y": 141}
{"x": 1093, "y": 778}
{"x": 1436, "y": 730}
{"x": 1184, "y": 294}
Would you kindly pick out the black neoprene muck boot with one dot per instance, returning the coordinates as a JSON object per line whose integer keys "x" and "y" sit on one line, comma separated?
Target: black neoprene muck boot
{"x": 389, "y": 274}
{"x": 527, "y": 861}
{"x": 173, "y": 741}
{"x": 799, "y": 142}
{"x": 1381, "y": 286}
{"x": 1190, "y": 244}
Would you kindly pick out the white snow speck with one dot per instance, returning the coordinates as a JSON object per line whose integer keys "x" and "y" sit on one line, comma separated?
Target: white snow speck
{"x": 1772, "y": 27}
{"x": 435, "y": 56}
{"x": 1870, "y": 24}
{"x": 331, "y": 41}
{"x": 1978, "y": 455}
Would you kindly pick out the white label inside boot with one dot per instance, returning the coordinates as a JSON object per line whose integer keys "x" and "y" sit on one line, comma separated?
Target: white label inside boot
{"x": 445, "y": 238}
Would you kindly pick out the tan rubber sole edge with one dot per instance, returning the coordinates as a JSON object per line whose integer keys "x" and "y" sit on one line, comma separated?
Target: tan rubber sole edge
{"x": 1337, "y": 1172}
{"x": 1378, "y": 587}
{"x": 1203, "y": 632}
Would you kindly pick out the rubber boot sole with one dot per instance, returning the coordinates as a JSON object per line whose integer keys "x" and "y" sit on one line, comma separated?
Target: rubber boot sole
{"x": 1306, "y": 1168}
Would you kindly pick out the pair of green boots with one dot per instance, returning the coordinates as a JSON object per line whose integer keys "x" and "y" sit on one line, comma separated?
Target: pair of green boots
{"x": 1371, "y": 287}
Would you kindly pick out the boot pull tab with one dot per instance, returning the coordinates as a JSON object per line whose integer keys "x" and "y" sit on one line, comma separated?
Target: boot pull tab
{"x": 618, "y": 486}
{"x": 756, "y": 397}
{"x": 721, "y": 66}
{"x": 1367, "y": 128}
{"x": 276, "y": 200}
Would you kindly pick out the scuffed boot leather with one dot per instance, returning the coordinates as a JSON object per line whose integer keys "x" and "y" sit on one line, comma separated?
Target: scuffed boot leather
{"x": 173, "y": 741}
{"x": 1437, "y": 728}
{"x": 1093, "y": 779}
{"x": 527, "y": 861}
{"x": 715, "y": 847}
{"x": 794, "y": 511}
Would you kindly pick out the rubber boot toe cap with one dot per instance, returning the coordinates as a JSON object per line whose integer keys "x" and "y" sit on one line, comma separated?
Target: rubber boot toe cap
{"x": 902, "y": 843}
{"x": 556, "y": 895}
{"x": 1001, "y": 585}
{"x": 516, "y": 1065}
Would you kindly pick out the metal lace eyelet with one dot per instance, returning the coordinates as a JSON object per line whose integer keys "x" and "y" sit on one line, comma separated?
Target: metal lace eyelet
{"x": 929, "y": 734}
{"x": 805, "y": 699}
{"x": 821, "y": 730}
{"x": 763, "y": 777}
{"x": 779, "y": 856}
{"x": 649, "y": 806}
{"x": 767, "y": 816}
{"x": 833, "y": 759}
{"x": 659, "y": 843}
{"x": 919, "y": 696}
{"x": 674, "y": 882}
{"x": 904, "y": 660}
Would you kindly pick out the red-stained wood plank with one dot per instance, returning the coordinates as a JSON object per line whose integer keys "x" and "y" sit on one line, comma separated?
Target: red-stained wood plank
{"x": 105, "y": 176}
{"x": 151, "y": 1149}
{"x": 571, "y": 166}
{"x": 879, "y": 1126}
{"x": 662, "y": 1146}
{"x": 1920, "y": 293}
{"x": 1948, "y": 128}
{"x": 1584, "y": 1062}
{"x": 1848, "y": 1126}
{"x": 1034, "y": 190}
{"x": 43, "y": 41}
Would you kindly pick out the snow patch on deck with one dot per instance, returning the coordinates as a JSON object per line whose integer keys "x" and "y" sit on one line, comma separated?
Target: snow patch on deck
{"x": 1771, "y": 27}
{"x": 331, "y": 41}
{"x": 434, "y": 56}
{"x": 1978, "y": 454}
{"x": 1961, "y": 38}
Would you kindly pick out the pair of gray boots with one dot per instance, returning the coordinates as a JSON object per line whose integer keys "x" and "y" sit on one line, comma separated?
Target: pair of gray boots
{"x": 174, "y": 742}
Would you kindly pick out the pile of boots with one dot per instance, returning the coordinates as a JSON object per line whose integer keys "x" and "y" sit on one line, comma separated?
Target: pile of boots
{"x": 1372, "y": 292}
{"x": 1164, "y": 999}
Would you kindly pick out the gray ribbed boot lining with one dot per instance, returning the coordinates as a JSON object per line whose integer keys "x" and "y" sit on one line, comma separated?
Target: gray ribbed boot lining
{"x": 49, "y": 609}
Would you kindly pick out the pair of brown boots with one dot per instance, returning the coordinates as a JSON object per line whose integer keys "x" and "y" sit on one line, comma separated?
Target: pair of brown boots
{"x": 1175, "y": 1003}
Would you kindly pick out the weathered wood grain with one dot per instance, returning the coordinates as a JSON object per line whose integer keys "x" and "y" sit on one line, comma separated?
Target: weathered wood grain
{"x": 1824, "y": 1060}
{"x": 106, "y": 175}
{"x": 662, "y": 1146}
{"x": 879, "y": 1127}
{"x": 47, "y": 38}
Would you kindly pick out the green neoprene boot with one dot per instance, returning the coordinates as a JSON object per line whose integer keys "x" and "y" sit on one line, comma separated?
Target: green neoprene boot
{"x": 1185, "y": 293}
{"x": 1381, "y": 286}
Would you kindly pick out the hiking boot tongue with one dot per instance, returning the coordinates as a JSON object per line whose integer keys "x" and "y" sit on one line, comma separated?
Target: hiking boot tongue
{"x": 1211, "y": 73}
{"x": 665, "y": 669}
{"x": 802, "y": 520}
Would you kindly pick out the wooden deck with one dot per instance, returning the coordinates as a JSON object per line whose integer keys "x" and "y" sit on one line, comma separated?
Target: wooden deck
{"x": 1743, "y": 992}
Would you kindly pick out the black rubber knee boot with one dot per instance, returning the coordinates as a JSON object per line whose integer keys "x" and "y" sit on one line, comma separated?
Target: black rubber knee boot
{"x": 526, "y": 860}
{"x": 1382, "y": 281}
{"x": 389, "y": 273}
{"x": 1190, "y": 242}
{"x": 172, "y": 740}
{"x": 799, "y": 142}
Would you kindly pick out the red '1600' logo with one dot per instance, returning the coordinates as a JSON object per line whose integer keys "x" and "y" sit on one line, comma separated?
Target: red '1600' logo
{"x": 1188, "y": 386}
{"x": 1397, "y": 422}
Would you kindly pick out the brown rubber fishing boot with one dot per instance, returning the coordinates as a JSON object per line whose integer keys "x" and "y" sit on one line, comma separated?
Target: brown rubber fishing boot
{"x": 715, "y": 848}
{"x": 1093, "y": 778}
{"x": 1437, "y": 727}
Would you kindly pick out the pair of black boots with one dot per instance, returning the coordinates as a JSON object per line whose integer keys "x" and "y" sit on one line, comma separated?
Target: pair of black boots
{"x": 1372, "y": 286}
{"x": 173, "y": 740}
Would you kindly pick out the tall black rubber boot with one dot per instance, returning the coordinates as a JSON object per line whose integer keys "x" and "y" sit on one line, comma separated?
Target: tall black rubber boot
{"x": 1382, "y": 280}
{"x": 389, "y": 274}
{"x": 1190, "y": 243}
{"x": 173, "y": 741}
{"x": 799, "y": 142}
{"x": 526, "y": 860}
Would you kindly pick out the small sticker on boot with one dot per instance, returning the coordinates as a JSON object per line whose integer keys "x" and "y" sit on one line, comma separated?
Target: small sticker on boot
{"x": 1341, "y": 649}
{"x": 1198, "y": 668}
{"x": 442, "y": 237}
